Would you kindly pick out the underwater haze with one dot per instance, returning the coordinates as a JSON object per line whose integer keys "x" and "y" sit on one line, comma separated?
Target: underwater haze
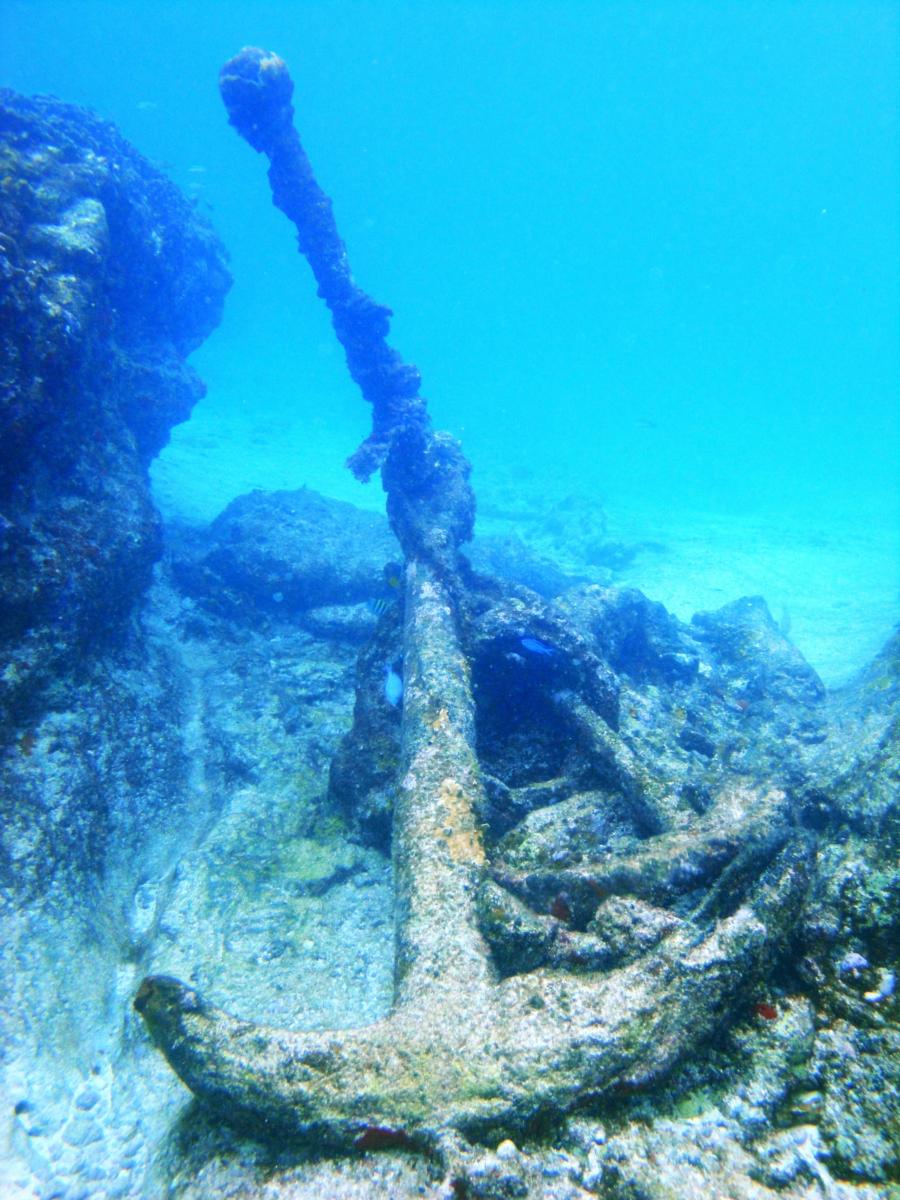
{"x": 644, "y": 254}
{"x": 335, "y": 862}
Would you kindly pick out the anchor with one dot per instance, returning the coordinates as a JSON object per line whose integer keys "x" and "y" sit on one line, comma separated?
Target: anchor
{"x": 472, "y": 1052}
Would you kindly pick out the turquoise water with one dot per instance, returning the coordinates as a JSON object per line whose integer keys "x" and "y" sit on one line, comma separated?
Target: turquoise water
{"x": 647, "y": 258}
{"x": 643, "y": 252}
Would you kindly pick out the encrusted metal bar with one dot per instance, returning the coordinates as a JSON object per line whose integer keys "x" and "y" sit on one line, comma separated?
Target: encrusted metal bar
{"x": 437, "y": 846}
{"x": 257, "y": 89}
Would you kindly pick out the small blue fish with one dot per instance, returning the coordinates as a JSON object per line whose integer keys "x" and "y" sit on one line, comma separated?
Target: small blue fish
{"x": 853, "y": 962}
{"x": 536, "y": 646}
{"x": 393, "y": 686}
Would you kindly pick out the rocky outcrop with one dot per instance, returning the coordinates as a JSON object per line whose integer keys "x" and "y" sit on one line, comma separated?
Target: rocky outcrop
{"x": 298, "y": 552}
{"x": 108, "y": 280}
{"x": 288, "y": 552}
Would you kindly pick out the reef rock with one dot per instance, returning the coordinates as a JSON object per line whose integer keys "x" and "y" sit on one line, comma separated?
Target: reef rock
{"x": 108, "y": 280}
{"x": 298, "y": 551}
{"x": 287, "y": 552}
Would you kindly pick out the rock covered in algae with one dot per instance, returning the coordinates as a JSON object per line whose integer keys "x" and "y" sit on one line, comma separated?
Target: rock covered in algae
{"x": 110, "y": 279}
{"x": 288, "y": 552}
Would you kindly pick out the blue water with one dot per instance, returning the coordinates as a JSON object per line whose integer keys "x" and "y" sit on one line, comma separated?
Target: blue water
{"x": 646, "y": 251}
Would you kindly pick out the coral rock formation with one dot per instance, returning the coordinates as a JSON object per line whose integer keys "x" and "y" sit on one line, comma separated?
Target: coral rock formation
{"x": 108, "y": 280}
